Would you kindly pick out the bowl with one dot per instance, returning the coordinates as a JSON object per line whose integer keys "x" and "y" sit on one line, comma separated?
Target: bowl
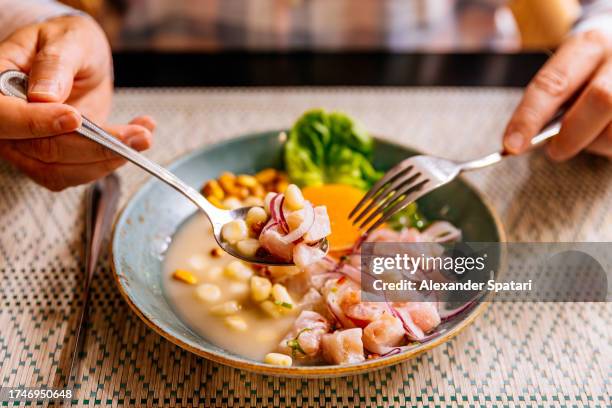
{"x": 144, "y": 230}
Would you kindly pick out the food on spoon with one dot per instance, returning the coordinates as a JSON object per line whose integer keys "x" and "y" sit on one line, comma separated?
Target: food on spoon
{"x": 289, "y": 229}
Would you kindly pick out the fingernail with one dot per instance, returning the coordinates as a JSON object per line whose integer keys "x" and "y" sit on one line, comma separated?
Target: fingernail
{"x": 45, "y": 87}
{"x": 514, "y": 142}
{"x": 67, "y": 122}
{"x": 551, "y": 151}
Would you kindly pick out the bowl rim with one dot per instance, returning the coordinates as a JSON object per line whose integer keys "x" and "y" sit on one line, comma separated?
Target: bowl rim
{"x": 294, "y": 371}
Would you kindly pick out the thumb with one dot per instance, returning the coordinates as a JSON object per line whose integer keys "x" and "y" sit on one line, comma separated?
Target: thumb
{"x": 53, "y": 70}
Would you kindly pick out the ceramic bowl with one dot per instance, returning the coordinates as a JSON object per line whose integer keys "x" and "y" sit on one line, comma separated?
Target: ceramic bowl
{"x": 147, "y": 223}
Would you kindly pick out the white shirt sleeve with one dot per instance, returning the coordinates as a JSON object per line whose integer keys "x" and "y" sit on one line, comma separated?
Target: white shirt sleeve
{"x": 596, "y": 16}
{"x": 15, "y": 14}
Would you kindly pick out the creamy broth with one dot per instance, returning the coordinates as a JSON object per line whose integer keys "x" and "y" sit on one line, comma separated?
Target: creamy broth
{"x": 191, "y": 250}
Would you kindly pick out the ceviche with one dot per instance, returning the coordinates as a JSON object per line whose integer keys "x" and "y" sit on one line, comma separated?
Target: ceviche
{"x": 310, "y": 313}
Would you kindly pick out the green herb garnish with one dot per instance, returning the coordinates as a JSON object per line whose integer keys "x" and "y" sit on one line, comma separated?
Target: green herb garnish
{"x": 294, "y": 344}
{"x": 283, "y": 304}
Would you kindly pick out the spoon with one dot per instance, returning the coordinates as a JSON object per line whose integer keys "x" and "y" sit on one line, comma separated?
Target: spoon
{"x": 15, "y": 83}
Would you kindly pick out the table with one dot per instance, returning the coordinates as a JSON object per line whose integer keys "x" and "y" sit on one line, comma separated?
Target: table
{"x": 515, "y": 354}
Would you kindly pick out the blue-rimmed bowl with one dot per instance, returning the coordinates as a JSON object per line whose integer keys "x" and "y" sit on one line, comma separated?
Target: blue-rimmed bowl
{"x": 148, "y": 222}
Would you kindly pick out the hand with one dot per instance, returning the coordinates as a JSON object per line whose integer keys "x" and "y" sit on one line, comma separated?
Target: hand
{"x": 69, "y": 63}
{"x": 583, "y": 63}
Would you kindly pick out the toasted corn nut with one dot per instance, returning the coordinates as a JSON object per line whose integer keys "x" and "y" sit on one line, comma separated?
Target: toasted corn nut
{"x": 248, "y": 247}
{"x": 238, "y": 271}
{"x": 216, "y": 252}
{"x": 226, "y": 308}
{"x": 242, "y": 193}
{"x": 278, "y": 359}
{"x": 280, "y": 294}
{"x": 270, "y": 309}
{"x": 234, "y": 231}
{"x": 216, "y": 202}
{"x": 231, "y": 203}
{"x": 266, "y": 175}
{"x": 208, "y": 292}
{"x": 281, "y": 186}
{"x": 246, "y": 180}
{"x": 236, "y": 323}
{"x": 258, "y": 191}
{"x": 227, "y": 181}
{"x": 260, "y": 288}
{"x": 294, "y": 200}
{"x": 185, "y": 276}
{"x": 213, "y": 189}
{"x": 213, "y": 273}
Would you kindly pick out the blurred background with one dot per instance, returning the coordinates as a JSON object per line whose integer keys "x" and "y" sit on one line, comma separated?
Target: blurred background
{"x": 332, "y": 25}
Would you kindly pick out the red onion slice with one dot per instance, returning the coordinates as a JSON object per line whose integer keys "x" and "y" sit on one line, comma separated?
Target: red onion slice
{"x": 305, "y": 226}
{"x": 413, "y": 332}
{"x": 281, "y": 213}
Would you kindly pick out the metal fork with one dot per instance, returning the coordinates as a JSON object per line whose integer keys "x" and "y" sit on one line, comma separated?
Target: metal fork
{"x": 418, "y": 175}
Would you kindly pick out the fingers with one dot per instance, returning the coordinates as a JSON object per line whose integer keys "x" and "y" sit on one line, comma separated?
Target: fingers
{"x": 54, "y": 67}
{"x": 57, "y": 177}
{"x": 587, "y": 119}
{"x": 146, "y": 121}
{"x": 560, "y": 77}
{"x": 602, "y": 146}
{"x": 76, "y": 149}
{"x": 19, "y": 119}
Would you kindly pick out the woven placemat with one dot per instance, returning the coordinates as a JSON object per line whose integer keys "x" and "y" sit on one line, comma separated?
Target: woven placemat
{"x": 515, "y": 354}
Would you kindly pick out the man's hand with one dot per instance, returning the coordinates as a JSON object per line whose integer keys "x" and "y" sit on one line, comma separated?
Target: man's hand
{"x": 583, "y": 64}
{"x": 69, "y": 63}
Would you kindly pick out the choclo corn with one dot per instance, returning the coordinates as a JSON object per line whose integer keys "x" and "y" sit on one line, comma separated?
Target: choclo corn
{"x": 294, "y": 200}
{"x": 295, "y": 219}
{"x": 213, "y": 273}
{"x": 260, "y": 288}
{"x": 239, "y": 289}
{"x": 208, "y": 292}
{"x": 270, "y": 309}
{"x": 238, "y": 271}
{"x": 236, "y": 323}
{"x": 248, "y": 247}
{"x": 280, "y": 294}
{"x": 246, "y": 180}
{"x": 278, "y": 359}
{"x": 256, "y": 215}
{"x": 226, "y": 308}
{"x": 234, "y": 231}
{"x": 185, "y": 276}
{"x": 198, "y": 261}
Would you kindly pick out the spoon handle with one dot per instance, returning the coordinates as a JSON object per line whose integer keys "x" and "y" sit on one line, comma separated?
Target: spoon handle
{"x": 15, "y": 83}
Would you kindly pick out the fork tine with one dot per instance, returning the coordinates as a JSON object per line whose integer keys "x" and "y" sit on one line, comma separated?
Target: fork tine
{"x": 410, "y": 197}
{"x": 391, "y": 174}
{"x": 393, "y": 197}
{"x": 386, "y": 193}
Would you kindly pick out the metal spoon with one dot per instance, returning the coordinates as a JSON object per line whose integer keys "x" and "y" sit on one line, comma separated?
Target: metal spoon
{"x": 15, "y": 83}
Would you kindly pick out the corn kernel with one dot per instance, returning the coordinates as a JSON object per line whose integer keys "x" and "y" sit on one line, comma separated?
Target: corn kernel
{"x": 267, "y": 201}
{"x": 248, "y": 247}
{"x": 185, "y": 276}
{"x": 252, "y": 201}
{"x": 213, "y": 189}
{"x": 242, "y": 193}
{"x": 270, "y": 309}
{"x": 281, "y": 186}
{"x": 213, "y": 273}
{"x": 278, "y": 359}
{"x": 236, "y": 323}
{"x": 280, "y": 294}
{"x": 227, "y": 181}
{"x": 246, "y": 180}
{"x": 256, "y": 215}
{"x": 266, "y": 175}
{"x": 234, "y": 231}
{"x": 231, "y": 203}
{"x": 238, "y": 271}
{"x": 258, "y": 191}
{"x": 198, "y": 261}
{"x": 238, "y": 289}
{"x": 260, "y": 288}
{"x": 226, "y": 308}
{"x": 208, "y": 292}
{"x": 294, "y": 200}
{"x": 216, "y": 202}
{"x": 295, "y": 219}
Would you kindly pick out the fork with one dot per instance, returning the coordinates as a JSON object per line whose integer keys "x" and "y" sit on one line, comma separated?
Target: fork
{"x": 418, "y": 175}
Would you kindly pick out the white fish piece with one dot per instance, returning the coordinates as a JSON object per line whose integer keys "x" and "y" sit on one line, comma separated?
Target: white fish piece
{"x": 321, "y": 226}
{"x": 383, "y": 333}
{"x": 304, "y": 339}
{"x": 343, "y": 346}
